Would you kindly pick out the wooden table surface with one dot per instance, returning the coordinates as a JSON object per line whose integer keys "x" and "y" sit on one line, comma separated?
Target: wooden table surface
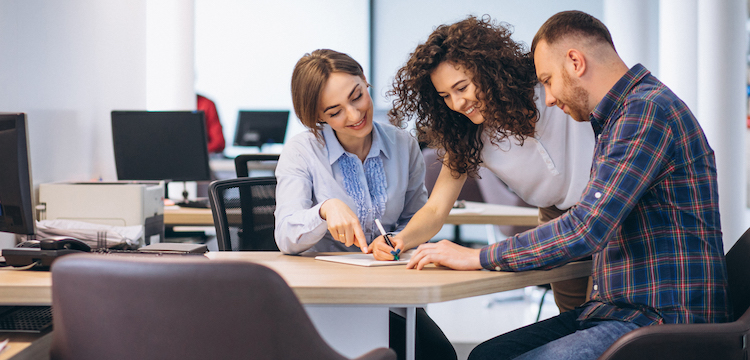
{"x": 321, "y": 282}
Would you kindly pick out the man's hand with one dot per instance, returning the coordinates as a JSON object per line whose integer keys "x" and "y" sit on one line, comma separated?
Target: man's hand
{"x": 445, "y": 253}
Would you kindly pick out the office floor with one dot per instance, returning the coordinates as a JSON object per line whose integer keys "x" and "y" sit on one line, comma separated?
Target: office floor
{"x": 468, "y": 322}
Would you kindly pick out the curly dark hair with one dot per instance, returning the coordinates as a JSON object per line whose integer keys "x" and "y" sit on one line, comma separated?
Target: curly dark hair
{"x": 504, "y": 75}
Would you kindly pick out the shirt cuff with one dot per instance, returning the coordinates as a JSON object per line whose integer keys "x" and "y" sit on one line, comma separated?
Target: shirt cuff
{"x": 485, "y": 258}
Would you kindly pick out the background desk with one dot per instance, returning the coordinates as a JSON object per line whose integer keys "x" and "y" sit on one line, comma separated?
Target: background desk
{"x": 348, "y": 304}
{"x": 475, "y": 213}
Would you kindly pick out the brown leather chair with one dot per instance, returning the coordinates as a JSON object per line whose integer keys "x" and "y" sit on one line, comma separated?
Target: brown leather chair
{"x": 135, "y": 307}
{"x": 698, "y": 341}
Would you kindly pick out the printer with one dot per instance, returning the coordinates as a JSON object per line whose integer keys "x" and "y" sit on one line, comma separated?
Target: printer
{"x": 119, "y": 203}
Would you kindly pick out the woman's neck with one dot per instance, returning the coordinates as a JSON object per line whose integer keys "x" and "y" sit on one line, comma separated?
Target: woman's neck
{"x": 357, "y": 146}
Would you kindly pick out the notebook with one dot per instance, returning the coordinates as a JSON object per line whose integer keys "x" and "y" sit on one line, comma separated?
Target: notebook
{"x": 360, "y": 259}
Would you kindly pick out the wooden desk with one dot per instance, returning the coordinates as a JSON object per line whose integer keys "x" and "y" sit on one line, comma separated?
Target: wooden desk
{"x": 322, "y": 282}
{"x": 343, "y": 300}
{"x": 20, "y": 346}
{"x": 475, "y": 213}
{"x": 187, "y": 216}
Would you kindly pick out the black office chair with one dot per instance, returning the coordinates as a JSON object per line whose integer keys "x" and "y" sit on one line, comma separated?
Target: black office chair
{"x": 136, "y": 307}
{"x": 698, "y": 341}
{"x": 267, "y": 160}
{"x": 243, "y": 213}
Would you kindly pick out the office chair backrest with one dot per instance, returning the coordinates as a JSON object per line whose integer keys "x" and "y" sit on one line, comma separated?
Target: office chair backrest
{"x": 264, "y": 162}
{"x": 243, "y": 213}
{"x": 135, "y": 307}
{"x": 738, "y": 271}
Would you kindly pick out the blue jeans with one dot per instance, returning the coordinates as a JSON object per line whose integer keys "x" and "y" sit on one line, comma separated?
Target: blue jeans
{"x": 561, "y": 338}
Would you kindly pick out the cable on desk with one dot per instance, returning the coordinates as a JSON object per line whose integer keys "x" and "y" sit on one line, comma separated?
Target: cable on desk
{"x": 19, "y": 268}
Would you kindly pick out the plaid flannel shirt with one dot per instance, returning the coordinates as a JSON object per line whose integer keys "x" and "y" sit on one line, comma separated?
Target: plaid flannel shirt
{"x": 649, "y": 215}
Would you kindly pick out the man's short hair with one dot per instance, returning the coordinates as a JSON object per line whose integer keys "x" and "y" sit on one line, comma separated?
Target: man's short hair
{"x": 572, "y": 23}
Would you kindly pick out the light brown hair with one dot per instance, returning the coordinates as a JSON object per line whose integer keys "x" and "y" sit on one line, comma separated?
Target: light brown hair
{"x": 310, "y": 77}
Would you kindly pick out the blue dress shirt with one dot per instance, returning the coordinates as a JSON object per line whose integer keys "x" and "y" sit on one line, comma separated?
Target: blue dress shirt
{"x": 308, "y": 174}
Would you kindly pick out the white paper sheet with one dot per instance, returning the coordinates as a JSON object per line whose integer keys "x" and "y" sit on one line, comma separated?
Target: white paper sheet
{"x": 88, "y": 232}
{"x": 365, "y": 259}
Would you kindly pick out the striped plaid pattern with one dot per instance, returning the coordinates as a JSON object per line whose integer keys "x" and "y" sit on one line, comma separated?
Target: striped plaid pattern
{"x": 649, "y": 215}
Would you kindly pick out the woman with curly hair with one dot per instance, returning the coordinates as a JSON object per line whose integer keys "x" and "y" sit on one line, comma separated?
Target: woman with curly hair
{"x": 474, "y": 95}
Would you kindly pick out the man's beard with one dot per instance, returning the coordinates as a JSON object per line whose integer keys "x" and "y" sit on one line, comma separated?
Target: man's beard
{"x": 576, "y": 99}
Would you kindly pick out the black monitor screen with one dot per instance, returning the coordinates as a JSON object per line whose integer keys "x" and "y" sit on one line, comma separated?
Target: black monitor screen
{"x": 255, "y": 128}
{"x": 160, "y": 145}
{"x": 16, "y": 205}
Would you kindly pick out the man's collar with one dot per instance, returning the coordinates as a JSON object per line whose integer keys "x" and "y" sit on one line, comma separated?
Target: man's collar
{"x": 616, "y": 96}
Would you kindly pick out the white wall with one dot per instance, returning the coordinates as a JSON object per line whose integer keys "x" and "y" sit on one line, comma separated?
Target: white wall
{"x": 67, "y": 64}
{"x": 402, "y": 25}
{"x": 170, "y": 55}
{"x": 722, "y": 104}
{"x": 634, "y": 26}
{"x": 245, "y": 51}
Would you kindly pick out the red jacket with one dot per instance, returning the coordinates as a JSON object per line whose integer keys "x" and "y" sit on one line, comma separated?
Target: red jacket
{"x": 213, "y": 125}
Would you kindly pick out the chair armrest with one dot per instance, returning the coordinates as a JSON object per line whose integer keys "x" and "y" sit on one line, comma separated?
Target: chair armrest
{"x": 684, "y": 342}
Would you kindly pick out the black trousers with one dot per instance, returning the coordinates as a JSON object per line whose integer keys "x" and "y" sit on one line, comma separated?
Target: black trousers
{"x": 431, "y": 343}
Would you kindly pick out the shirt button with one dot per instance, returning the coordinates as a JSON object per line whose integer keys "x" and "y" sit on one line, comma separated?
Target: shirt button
{"x": 497, "y": 268}
{"x": 596, "y": 287}
{"x": 597, "y": 195}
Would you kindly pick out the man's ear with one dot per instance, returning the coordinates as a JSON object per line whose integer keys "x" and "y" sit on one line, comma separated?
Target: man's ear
{"x": 576, "y": 62}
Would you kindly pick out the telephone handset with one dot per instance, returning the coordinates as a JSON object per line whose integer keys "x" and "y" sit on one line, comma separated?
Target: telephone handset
{"x": 41, "y": 253}
{"x": 62, "y": 242}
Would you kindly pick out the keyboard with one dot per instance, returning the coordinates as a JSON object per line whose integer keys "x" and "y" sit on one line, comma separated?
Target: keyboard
{"x": 25, "y": 319}
{"x": 142, "y": 252}
{"x": 202, "y": 203}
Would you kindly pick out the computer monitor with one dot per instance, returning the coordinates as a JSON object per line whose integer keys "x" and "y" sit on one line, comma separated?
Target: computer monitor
{"x": 16, "y": 199}
{"x": 160, "y": 145}
{"x": 255, "y": 128}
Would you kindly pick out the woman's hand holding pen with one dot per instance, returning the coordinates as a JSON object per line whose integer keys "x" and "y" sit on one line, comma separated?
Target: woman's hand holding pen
{"x": 382, "y": 251}
{"x": 343, "y": 223}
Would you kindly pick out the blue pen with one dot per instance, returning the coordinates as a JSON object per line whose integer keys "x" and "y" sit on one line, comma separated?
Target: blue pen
{"x": 387, "y": 239}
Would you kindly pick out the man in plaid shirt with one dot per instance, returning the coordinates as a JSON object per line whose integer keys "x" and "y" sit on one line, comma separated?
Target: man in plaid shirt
{"x": 649, "y": 214}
